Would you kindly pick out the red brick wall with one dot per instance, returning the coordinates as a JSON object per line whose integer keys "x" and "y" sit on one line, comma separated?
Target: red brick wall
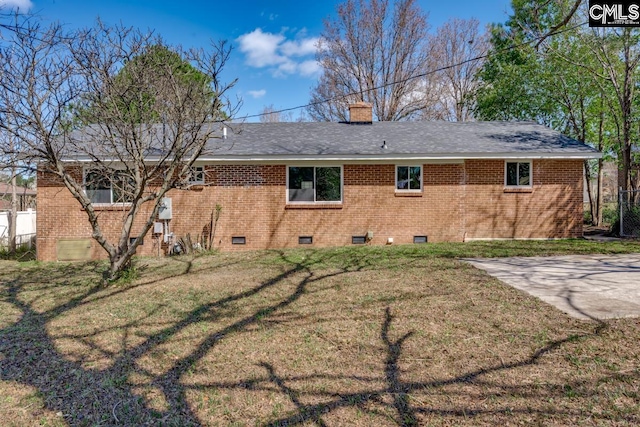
{"x": 458, "y": 200}
{"x": 63, "y": 218}
{"x": 551, "y": 208}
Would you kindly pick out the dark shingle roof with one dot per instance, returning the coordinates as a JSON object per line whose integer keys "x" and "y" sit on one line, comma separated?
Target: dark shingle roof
{"x": 402, "y": 139}
{"x": 343, "y": 141}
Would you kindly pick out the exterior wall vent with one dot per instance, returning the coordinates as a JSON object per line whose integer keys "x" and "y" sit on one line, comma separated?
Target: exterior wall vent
{"x": 358, "y": 240}
{"x": 238, "y": 240}
{"x": 305, "y": 240}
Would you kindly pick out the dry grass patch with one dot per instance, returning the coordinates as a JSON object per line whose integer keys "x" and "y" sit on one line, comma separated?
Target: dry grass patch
{"x": 367, "y": 336}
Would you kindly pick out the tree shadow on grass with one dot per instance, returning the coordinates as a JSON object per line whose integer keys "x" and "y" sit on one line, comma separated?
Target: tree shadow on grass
{"x": 28, "y": 354}
{"x": 396, "y": 389}
{"x": 394, "y": 399}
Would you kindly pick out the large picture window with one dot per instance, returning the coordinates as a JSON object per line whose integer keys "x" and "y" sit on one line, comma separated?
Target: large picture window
{"x": 408, "y": 178}
{"x": 518, "y": 174}
{"x": 103, "y": 188}
{"x": 314, "y": 184}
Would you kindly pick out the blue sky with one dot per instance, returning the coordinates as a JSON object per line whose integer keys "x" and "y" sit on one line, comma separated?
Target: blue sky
{"x": 273, "y": 55}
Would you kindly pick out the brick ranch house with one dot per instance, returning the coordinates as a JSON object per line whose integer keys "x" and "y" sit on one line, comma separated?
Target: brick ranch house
{"x": 332, "y": 184}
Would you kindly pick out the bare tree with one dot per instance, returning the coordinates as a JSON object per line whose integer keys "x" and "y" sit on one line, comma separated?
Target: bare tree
{"x": 13, "y": 213}
{"x": 133, "y": 130}
{"x": 271, "y": 114}
{"x": 370, "y": 52}
{"x": 11, "y": 22}
{"x": 454, "y": 51}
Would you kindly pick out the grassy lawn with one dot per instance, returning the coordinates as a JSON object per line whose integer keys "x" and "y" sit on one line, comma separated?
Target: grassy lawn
{"x": 363, "y": 336}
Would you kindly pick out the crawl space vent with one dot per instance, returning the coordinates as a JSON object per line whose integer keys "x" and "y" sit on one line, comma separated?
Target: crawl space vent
{"x": 238, "y": 240}
{"x": 358, "y": 240}
{"x": 305, "y": 240}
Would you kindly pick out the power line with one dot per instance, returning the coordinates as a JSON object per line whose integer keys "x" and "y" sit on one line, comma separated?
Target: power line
{"x": 417, "y": 76}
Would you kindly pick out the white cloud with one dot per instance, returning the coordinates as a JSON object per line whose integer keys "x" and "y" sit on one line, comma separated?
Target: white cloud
{"x": 281, "y": 56}
{"x": 300, "y": 47}
{"x": 309, "y": 68}
{"x": 257, "y": 93}
{"x": 19, "y": 5}
{"x": 287, "y": 67}
{"x": 261, "y": 48}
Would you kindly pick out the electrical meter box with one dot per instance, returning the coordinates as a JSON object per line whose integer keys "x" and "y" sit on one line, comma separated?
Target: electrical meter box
{"x": 165, "y": 211}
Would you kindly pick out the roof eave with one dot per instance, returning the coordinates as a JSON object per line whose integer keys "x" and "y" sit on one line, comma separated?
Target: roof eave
{"x": 402, "y": 157}
{"x": 363, "y": 158}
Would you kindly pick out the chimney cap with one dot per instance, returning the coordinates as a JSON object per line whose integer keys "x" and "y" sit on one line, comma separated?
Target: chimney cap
{"x": 361, "y": 104}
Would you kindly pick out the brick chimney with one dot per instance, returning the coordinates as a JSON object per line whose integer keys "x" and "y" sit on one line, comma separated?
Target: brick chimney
{"x": 360, "y": 113}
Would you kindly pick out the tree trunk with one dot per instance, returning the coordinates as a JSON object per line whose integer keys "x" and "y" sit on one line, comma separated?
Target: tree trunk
{"x": 117, "y": 265}
{"x": 598, "y": 216}
{"x": 210, "y": 246}
{"x": 592, "y": 202}
{"x": 13, "y": 216}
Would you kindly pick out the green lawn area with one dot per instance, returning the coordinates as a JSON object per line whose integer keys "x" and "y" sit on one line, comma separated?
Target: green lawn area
{"x": 384, "y": 336}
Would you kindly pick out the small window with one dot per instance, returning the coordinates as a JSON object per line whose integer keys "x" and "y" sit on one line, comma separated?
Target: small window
{"x": 314, "y": 184}
{"x": 197, "y": 175}
{"x": 108, "y": 187}
{"x": 132, "y": 240}
{"x": 408, "y": 178}
{"x": 305, "y": 240}
{"x": 358, "y": 240}
{"x": 238, "y": 240}
{"x": 517, "y": 174}
{"x": 419, "y": 239}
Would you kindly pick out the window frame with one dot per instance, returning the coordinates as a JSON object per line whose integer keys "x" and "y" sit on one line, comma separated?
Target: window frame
{"x": 409, "y": 190}
{"x": 195, "y": 171}
{"x": 518, "y": 162}
{"x": 86, "y": 171}
{"x": 315, "y": 202}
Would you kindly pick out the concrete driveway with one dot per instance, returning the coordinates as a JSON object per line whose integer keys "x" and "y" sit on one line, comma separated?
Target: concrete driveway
{"x": 583, "y": 286}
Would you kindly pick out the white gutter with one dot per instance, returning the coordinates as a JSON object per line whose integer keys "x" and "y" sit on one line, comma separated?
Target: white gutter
{"x": 396, "y": 157}
{"x": 368, "y": 158}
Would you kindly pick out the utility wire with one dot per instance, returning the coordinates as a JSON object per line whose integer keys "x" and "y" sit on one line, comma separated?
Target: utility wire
{"x": 536, "y": 40}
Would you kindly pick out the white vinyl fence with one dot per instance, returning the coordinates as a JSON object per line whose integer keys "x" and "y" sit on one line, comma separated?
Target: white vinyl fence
{"x": 25, "y": 228}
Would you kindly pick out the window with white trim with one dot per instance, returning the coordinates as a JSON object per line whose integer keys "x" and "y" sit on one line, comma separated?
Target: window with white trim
{"x": 196, "y": 175}
{"x": 108, "y": 188}
{"x": 408, "y": 178}
{"x": 314, "y": 184}
{"x": 517, "y": 174}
